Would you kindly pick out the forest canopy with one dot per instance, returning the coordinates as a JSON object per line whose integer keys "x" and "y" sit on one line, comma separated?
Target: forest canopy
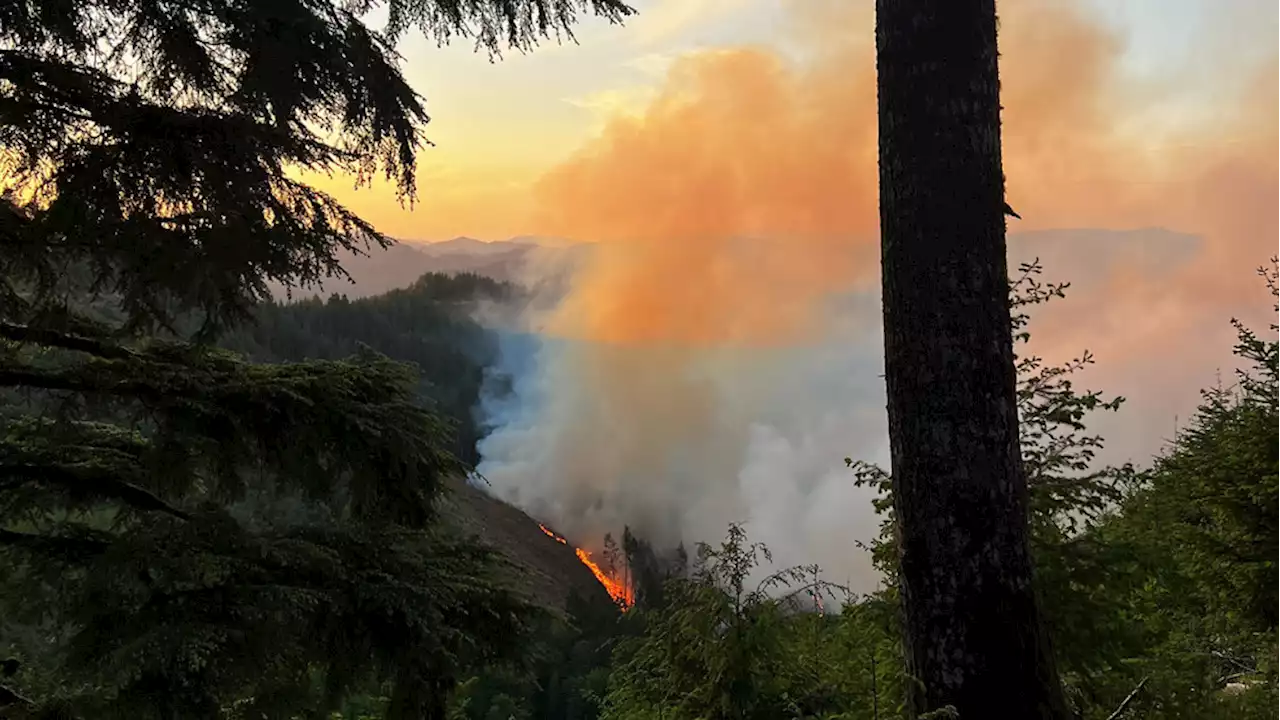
{"x": 428, "y": 324}
{"x": 184, "y": 532}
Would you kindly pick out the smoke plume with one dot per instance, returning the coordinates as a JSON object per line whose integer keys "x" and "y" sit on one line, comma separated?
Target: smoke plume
{"x": 717, "y": 354}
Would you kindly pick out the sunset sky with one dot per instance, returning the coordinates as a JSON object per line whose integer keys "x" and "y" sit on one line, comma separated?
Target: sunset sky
{"x": 499, "y": 125}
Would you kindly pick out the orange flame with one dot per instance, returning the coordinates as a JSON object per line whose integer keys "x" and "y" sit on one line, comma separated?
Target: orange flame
{"x": 552, "y": 535}
{"x": 619, "y": 590}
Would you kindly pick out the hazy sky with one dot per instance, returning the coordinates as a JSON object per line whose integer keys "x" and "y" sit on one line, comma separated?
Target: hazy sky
{"x": 706, "y": 122}
{"x": 702, "y": 121}
{"x": 499, "y": 125}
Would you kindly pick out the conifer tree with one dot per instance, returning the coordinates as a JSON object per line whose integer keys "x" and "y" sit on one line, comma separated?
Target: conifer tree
{"x": 973, "y": 629}
{"x": 183, "y": 533}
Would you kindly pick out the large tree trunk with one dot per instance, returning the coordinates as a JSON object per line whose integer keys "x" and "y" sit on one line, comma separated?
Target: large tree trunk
{"x": 973, "y": 633}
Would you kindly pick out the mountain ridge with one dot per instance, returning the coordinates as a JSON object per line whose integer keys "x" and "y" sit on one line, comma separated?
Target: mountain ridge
{"x": 518, "y": 259}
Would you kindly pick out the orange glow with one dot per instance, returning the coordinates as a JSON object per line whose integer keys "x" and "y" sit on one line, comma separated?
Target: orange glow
{"x": 617, "y": 589}
{"x": 727, "y": 211}
{"x": 552, "y": 535}
{"x": 748, "y": 143}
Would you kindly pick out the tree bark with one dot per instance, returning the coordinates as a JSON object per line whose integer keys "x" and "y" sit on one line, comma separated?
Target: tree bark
{"x": 974, "y": 638}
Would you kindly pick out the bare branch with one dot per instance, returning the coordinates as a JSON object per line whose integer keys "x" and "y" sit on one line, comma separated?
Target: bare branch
{"x": 1128, "y": 699}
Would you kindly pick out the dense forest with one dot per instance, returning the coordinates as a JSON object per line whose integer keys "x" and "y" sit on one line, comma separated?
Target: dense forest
{"x": 215, "y": 505}
{"x": 428, "y": 324}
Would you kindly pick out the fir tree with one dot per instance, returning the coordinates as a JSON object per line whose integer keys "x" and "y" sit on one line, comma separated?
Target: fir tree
{"x": 183, "y": 533}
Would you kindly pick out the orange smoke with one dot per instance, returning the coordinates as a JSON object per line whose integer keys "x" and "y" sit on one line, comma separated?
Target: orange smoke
{"x": 618, "y": 589}
{"x": 745, "y": 194}
{"x": 1086, "y": 146}
{"x": 725, "y": 211}
{"x": 744, "y": 143}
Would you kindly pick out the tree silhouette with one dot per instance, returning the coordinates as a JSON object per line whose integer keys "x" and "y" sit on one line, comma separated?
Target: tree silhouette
{"x": 183, "y": 533}
{"x": 973, "y": 632}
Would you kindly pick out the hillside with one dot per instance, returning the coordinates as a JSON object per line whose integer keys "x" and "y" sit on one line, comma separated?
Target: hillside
{"x": 380, "y": 271}
{"x": 427, "y": 323}
{"x": 546, "y": 570}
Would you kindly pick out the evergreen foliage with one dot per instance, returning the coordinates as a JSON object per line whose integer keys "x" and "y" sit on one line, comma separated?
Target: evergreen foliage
{"x": 733, "y": 640}
{"x": 427, "y": 324}
{"x": 1217, "y": 489}
{"x": 183, "y": 533}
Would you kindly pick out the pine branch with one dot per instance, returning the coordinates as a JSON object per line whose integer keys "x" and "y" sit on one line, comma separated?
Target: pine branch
{"x": 356, "y": 422}
{"x": 65, "y": 341}
{"x": 10, "y": 697}
{"x": 28, "y": 377}
{"x": 84, "y": 480}
{"x": 57, "y": 545}
{"x": 16, "y": 706}
{"x": 517, "y": 25}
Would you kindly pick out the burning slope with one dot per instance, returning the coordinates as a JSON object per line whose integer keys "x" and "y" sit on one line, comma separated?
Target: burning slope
{"x": 541, "y": 571}
{"x": 618, "y": 589}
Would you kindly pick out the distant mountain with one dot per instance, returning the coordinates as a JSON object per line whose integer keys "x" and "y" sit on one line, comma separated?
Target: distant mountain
{"x": 401, "y": 264}
{"x": 378, "y": 272}
{"x": 529, "y": 259}
{"x": 466, "y": 246}
{"x": 501, "y": 260}
{"x": 547, "y": 241}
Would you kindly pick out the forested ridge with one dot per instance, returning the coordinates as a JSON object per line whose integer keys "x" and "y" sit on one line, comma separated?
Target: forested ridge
{"x": 215, "y": 505}
{"x": 428, "y": 324}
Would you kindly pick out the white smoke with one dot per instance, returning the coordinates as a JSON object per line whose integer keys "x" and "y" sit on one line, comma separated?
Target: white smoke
{"x": 678, "y": 442}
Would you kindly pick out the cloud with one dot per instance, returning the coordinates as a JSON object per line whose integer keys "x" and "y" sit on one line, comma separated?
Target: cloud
{"x": 662, "y": 21}
{"x": 654, "y": 65}
{"x": 607, "y": 105}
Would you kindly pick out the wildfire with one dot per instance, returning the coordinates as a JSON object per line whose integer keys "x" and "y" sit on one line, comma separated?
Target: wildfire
{"x": 552, "y": 535}
{"x": 619, "y": 590}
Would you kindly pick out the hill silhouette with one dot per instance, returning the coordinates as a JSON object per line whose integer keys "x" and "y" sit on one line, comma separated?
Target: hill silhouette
{"x": 528, "y": 259}
{"x": 400, "y": 265}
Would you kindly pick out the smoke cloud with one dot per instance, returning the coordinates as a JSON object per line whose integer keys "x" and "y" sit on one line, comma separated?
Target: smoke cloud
{"x": 717, "y": 354}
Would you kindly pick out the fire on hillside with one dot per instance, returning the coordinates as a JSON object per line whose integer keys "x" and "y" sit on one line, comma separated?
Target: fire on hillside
{"x": 618, "y": 588}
